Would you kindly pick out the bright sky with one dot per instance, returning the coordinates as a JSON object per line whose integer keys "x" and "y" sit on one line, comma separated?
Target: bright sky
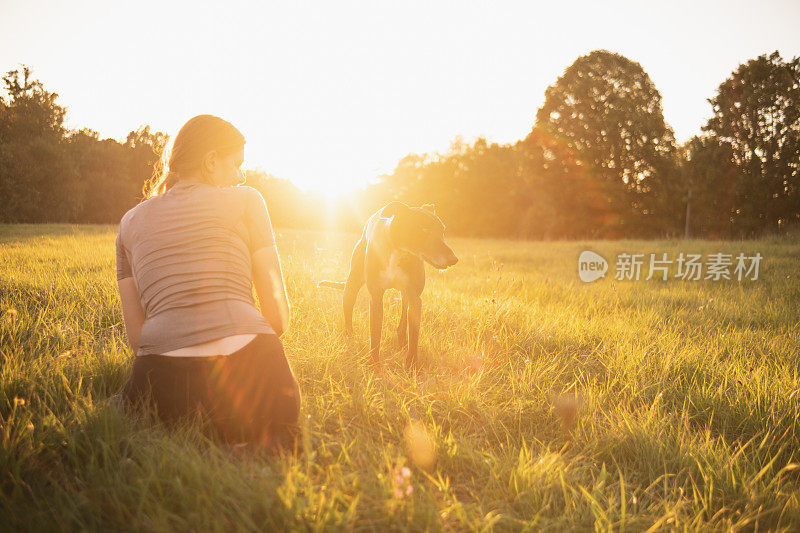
{"x": 332, "y": 94}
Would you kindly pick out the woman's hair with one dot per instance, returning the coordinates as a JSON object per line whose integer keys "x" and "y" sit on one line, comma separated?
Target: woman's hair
{"x": 184, "y": 155}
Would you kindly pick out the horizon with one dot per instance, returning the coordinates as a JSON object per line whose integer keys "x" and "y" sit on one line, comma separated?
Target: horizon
{"x": 360, "y": 86}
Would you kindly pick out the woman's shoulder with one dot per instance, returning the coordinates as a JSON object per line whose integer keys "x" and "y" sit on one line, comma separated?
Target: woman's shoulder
{"x": 132, "y": 212}
{"x": 247, "y": 192}
{"x": 251, "y": 198}
{"x": 135, "y": 217}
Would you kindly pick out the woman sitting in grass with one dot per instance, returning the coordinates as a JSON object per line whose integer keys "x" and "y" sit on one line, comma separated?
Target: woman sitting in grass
{"x": 185, "y": 259}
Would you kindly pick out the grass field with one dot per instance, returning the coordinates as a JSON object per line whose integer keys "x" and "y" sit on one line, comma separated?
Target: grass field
{"x": 543, "y": 402}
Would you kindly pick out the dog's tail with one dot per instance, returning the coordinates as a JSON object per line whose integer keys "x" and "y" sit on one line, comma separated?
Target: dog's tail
{"x": 332, "y": 284}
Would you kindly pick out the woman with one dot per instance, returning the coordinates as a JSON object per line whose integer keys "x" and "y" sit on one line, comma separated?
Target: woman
{"x": 185, "y": 259}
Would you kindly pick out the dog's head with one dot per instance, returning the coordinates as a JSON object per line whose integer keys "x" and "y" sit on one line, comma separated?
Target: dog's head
{"x": 419, "y": 231}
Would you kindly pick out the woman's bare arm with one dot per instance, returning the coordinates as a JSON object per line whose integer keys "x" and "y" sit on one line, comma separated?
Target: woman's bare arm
{"x": 132, "y": 312}
{"x": 270, "y": 287}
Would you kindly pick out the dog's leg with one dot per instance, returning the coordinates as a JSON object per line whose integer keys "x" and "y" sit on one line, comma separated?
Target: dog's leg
{"x": 375, "y": 324}
{"x": 402, "y": 328}
{"x": 414, "y": 318}
{"x": 354, "y": 282}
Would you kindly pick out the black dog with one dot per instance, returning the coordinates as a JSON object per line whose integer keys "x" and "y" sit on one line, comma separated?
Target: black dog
{"x": 390, "y": 254}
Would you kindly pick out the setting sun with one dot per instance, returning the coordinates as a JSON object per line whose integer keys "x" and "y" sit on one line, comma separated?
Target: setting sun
{"x": 332, "y": 96}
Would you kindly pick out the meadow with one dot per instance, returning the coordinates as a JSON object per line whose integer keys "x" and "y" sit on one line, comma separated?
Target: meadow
{"x": 543, "y": 403}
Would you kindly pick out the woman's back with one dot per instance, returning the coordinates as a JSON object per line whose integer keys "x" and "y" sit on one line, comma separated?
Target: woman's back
{"x": 189, "y": 252}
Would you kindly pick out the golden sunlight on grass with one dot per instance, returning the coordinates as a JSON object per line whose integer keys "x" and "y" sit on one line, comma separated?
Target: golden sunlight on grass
{"x": 542, "y": 402}
{"x": 419, "y": 444}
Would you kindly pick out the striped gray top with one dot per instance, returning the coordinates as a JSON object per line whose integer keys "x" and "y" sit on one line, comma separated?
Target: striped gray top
{"x": 188, "y": 251}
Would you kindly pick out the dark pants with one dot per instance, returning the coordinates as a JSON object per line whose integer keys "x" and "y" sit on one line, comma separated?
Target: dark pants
{"x": 250, "y": 395}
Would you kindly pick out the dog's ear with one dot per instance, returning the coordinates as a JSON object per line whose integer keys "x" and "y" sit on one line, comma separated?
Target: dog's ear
{"x": 430, "y": 207}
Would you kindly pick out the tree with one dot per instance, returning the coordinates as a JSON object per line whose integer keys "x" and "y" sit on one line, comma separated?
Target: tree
{"x": 107, "y": 190}
{"x": 757, "y": 113}
{"x": 31, "y": 110}
{"x": 51, "y": 174}
{"x": 535, "y": 188}
{"x": 38, "y": 182}
{"x": 561, "y": 198}
{"x": 711, "y": 180}
{"x": 476, "y": 188}
{"x": 607, "y": 109}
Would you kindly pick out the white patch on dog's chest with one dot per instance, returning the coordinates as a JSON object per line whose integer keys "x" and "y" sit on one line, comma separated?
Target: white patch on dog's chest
{"x": 393, "y": 275}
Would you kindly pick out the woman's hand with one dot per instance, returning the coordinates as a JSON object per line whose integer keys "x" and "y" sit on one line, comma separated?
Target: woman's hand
{"x": 132, "y": 312}
{"x": 270, "y": 287}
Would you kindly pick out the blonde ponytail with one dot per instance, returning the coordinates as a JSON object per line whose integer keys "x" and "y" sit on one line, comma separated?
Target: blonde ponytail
{"x": 183, "y": 155}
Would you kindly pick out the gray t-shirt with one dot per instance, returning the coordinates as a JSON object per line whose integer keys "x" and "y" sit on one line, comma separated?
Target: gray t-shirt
{"x": 189, "y": 251}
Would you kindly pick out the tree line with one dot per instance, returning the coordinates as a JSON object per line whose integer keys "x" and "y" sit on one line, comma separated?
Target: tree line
{"x": 600, "y": 162}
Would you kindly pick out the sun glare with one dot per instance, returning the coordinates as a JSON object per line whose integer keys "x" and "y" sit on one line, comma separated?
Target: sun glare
{"x": 332, "y": 192}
